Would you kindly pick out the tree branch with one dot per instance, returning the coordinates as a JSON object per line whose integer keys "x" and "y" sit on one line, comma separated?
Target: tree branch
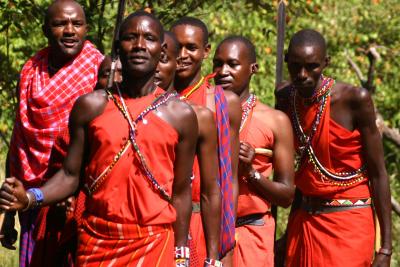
{"x": 355, "y": 68}
{"x": 395, "y": 206}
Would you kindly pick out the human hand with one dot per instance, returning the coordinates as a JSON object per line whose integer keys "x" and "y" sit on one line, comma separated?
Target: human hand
{"x": 67, "y": 206}
{"x": 247, "y": 154}
{"x": 13, "y": 195}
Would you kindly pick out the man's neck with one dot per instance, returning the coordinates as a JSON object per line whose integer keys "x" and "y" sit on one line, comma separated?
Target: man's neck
{"x": 244, "y": 95}
{"x": 181, "y": 85}
{"x": 138, "y": 86}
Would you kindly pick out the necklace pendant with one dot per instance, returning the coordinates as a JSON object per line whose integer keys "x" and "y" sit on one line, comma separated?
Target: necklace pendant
{"x": 145, "y": 121}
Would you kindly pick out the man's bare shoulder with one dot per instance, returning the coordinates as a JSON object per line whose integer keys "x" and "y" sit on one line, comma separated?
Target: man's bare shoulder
{"x": 180, "y": 110}
{"x": 273, "y": 118}
{"x": 90, "y": 105}
{"x": 353, "y": 95}
{"x": 283, "y": 90}
{"x": 204, "y": 114}
{"x": 231, "y": 98}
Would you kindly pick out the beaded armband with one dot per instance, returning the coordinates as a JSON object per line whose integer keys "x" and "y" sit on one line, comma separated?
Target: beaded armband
{"x": 37, "y": 197}
{"x": 212, "y": 263}
{"x": 182, "y": 255}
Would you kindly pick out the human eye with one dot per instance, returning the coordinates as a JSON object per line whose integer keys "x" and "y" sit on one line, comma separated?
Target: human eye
{"x": 234, "y": 63}
{"x": 151, "y": 37}
{"x": 312, "y": 66}
{"x": 192, "y": 47}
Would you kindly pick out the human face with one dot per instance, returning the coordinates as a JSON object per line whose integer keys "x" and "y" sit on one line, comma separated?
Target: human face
{"x": 192, "y": 51}
{"x": 233, "y": 68}
{"x": 305, "y": 65}
{"x": 140, "y": 46}
{"x": 166, "y": 68}
{"x": 65, "y": 30}
{"x": 104, "y": 72}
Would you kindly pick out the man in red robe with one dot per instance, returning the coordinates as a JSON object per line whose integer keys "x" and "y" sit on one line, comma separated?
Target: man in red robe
{"x": 136, "y": 145}
{"x": 192, "y": 35}
{"x": 341, "y": 167}
{"x": 206, "y": 162}
{"x": 50, "y": 82}
{"x": 266, "y": 146}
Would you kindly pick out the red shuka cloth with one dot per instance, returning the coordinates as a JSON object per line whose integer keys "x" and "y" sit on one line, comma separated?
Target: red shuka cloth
{"x": 43, "y": 109}
{"x": 126, "y": 199}
{"x": 197, "y": 241}
{"x": 255, "y": 244}
{"x": 337, "y": 238}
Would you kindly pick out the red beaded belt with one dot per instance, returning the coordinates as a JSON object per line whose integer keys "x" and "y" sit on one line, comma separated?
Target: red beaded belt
{"x": 315, "y": 205}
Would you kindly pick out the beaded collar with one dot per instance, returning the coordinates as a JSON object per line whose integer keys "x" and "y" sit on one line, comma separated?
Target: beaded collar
{"x": 305, "y": 141}
{"x": 247, "y": 107}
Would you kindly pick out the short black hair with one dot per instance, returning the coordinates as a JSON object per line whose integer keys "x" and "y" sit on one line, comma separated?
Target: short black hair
{"x": 307, "y": 37}
{"x": 142, "y": 13}
{"x": 175, "y": 41}
{"x": 193, "y": 22}
{"x": 251, "y": 49}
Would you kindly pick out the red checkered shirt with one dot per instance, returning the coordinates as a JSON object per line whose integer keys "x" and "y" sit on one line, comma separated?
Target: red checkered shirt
{"x": 43, "y": 109}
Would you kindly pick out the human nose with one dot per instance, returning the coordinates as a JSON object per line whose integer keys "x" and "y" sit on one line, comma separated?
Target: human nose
{"x": 183, "y": 53}
{"x": 140, "y": 43}
{"x": 224, "y": 69}
{"x": 302, "y": 74}
{"x": 69, "y": 28}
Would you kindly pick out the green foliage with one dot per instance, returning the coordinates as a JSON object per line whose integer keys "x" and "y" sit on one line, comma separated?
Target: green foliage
{"x": 350, "y": 27}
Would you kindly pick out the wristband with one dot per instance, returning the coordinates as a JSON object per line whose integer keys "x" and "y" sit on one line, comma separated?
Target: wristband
{"x": 29, "y": 196}
{"x": 182, "y": 255}
{"x": 212, "y": 263}
{"x": 38, "y": 196}
{"x": 385, "y": 251}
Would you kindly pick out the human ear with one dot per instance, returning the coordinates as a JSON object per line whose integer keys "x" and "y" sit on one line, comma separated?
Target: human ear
{"x": 327, "y": 61}
{"x": 207, "y": 50}
{"x": 163, "y": 55}
{"x": 254, "y": 68}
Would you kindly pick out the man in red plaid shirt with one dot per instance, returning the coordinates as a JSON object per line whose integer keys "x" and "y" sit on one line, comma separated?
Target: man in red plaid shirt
{"x": 50, "y": 82}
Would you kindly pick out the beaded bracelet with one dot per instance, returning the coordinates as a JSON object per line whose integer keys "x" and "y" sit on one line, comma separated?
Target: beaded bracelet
{"x": 182, "y": 255}
{"x": 212, "y": 263}
{"x": 38, "y": 197}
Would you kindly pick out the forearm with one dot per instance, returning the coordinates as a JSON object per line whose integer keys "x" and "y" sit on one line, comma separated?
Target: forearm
{"x": 277, "y": 193}
{"x": 382, "y": 204}
{"x": 210, "y": 208}
{"x": 183, "y": 206}
{"x": 59, "y": 187}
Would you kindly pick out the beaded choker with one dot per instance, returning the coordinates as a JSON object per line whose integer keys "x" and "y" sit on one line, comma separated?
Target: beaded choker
{"x": 194, "y": 88}
{"x": 160, "y": 100}
{"x": 247, "y": 107}
{"x": 324, "y": 89}
{"x": 321, "y": 97}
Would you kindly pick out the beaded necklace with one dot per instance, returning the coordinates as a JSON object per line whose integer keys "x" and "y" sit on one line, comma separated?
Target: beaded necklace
{"x": 247, "y": 107}
{"x": 321, "y": 96}
{"x": 194, "y": 88}
{"x": 160, "y": 100}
